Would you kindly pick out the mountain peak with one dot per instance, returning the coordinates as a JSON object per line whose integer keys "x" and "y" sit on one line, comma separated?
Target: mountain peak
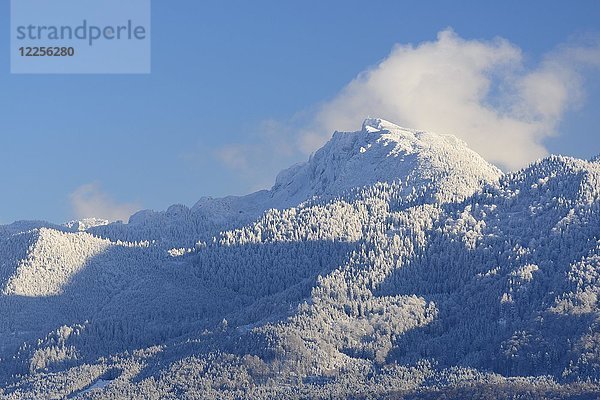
{"x": 387, "y": 153}
{"x": 83, "y": 225}
{"x": 380, "y": 152}
{"x": 379, "y": 124}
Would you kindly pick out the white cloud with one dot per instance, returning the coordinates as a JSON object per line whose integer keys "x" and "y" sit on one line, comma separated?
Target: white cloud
{"x": 481, "y": 91}
{"x": 89, "y": 201}
{"x": 477, "y": 90}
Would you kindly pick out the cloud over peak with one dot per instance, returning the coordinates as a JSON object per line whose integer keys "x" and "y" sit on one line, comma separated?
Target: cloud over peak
{"x": 486, "y": 92}
{"x": 477, "y": 90}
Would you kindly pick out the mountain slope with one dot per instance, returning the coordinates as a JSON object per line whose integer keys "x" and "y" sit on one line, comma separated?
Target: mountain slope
{"x": 379, "y": 152}
{"x": 393, "y": 260}
{"x": 384, "y": 152}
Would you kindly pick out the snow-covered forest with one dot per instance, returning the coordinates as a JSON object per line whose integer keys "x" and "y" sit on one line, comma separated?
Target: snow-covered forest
{"x": 393, "y": 263}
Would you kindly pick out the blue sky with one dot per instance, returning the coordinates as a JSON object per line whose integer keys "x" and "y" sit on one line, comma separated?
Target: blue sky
{"x": 239, "y": 90}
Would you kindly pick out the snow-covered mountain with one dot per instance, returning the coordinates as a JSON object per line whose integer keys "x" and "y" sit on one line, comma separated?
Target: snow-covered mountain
{"x": 384, "y": 152}
{"x": 379, "y": 152}
{"x": 393, "y": 262}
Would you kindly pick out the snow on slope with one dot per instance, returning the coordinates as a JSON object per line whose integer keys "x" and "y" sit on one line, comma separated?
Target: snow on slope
{"x": 83, "y": 225}
{"x": 347, "y": 288}
{"x": 380, "y": 152}
{"x": 384, "y": 152}
{"x": 51, "y": 261}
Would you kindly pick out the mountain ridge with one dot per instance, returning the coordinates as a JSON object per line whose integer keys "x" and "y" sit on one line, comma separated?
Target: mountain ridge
{"x": 322, "y": 176}
{"x": 392, "y": 260}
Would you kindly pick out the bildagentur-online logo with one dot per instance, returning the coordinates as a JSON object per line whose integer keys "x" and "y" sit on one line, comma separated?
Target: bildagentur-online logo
{"x": 86, "y": 32}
